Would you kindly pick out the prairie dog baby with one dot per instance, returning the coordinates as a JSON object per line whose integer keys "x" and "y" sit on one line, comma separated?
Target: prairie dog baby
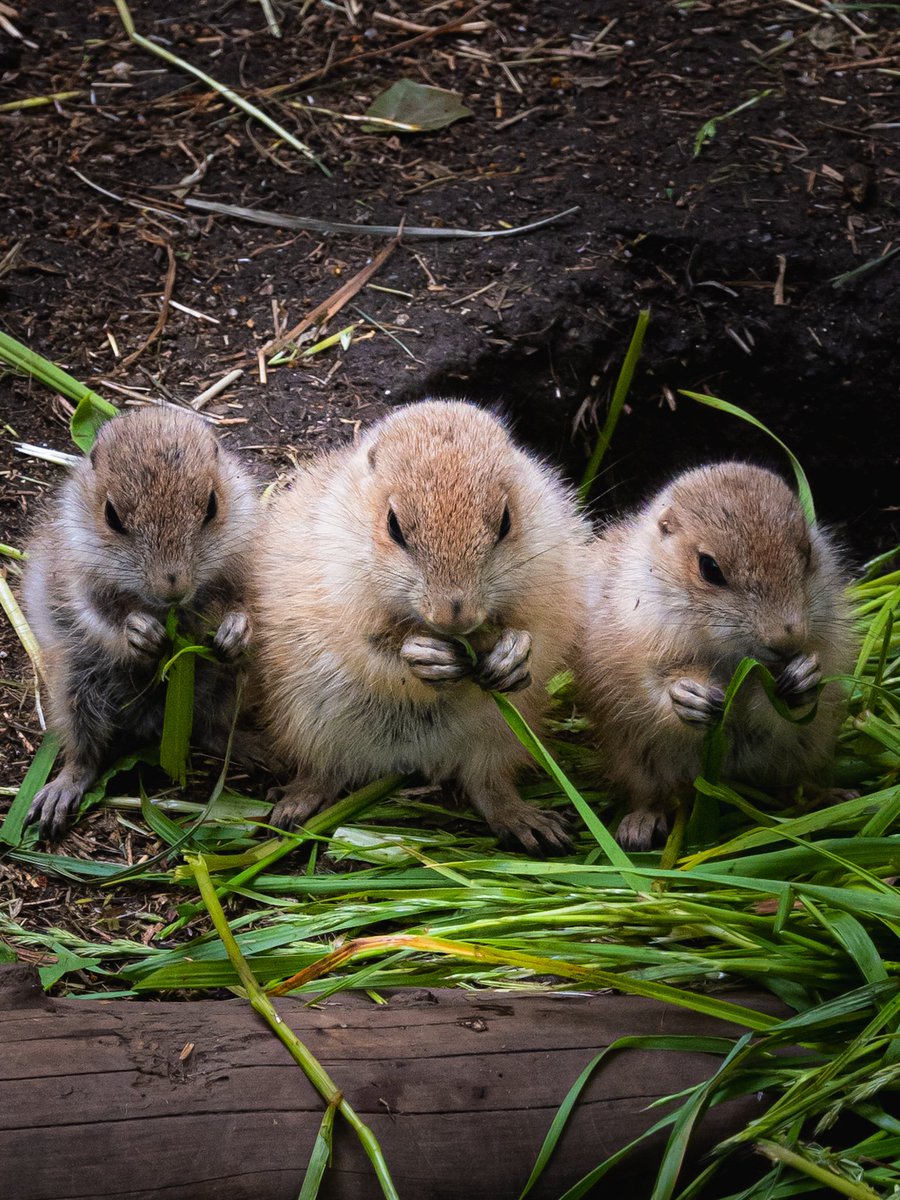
{"x": 720, "y": 565}
{"x": 158, "y": 515}
{"x": 434, "y": 526}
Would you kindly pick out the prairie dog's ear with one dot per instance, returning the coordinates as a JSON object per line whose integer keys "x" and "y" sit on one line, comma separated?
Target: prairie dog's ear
{"x": 371, "y": 455}
{"x": 667, "y": 522}
{"x": 103, "y": 434}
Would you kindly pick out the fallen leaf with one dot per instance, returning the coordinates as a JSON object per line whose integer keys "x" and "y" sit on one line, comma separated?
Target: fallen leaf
{"x": 410, "y": 107}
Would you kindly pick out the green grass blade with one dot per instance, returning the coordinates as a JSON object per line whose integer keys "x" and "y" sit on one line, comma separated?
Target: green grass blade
{"x": 620, "y": 394}
{"x": 679, "y": 1043}
{"x": 91, "y": 410}
{"x": 803, "y": 489}
{"x": 535, "y": 748}
{"x": 36, "y": 776}
{"x": 178, "y": 718}
{"x": 261, "y": 1003}
{"x": 320, "y": 1157}
{"x": 232, "y": 97}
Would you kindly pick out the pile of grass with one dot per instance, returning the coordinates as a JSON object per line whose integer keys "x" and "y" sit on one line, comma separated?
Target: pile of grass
{"x": 392, "y": 888}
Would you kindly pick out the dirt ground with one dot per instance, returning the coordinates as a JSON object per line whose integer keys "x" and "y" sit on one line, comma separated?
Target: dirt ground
{"x": 738, "y": 250}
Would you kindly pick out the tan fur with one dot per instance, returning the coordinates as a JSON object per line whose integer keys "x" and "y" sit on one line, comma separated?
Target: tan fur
{"x": 338, "y": 600}
{"x": 96, "y": 597}
{"x": 654, "y": 621}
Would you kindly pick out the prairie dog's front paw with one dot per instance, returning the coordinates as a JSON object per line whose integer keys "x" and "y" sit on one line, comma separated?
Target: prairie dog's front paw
{"x": 797, "y": 683}
{"x": 507, "y": 667}
{"x": 144, "y": 634}
{"x": 435, "y": 660}
{"x": 233, "y": 635}
{"x": 696, "y": 703}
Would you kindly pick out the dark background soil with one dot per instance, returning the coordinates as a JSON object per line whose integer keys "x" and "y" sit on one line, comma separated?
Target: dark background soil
{"x": 589, "y": 104}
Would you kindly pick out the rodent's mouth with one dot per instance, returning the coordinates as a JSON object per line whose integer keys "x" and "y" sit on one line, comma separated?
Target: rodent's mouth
{"x": 453, "y": 630}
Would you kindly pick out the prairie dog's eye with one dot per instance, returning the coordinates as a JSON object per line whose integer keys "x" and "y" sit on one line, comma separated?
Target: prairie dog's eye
{"x": 112, "y": 518}
{"x": 394, "y": 529}
{"x": 711, "y": 571}
{"x": 211, "y": 509}
{"x": 504, "y": 524}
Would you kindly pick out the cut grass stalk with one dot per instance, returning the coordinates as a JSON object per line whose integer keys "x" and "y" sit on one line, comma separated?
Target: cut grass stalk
{"x": 21, "y": 628}
{"x": 232, "y": 97}
{"x": 312, "y": 1068}
{"x": 38, "y": 101}
{"x": 708, "y": 129}
{"x": 91, "y": 410}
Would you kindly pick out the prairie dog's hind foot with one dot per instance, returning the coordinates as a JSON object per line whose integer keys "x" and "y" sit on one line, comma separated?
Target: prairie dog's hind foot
{"x": 696, "y": 703}
{"x": 233, "y": 635}
{"x": 816, "y": 795}
{"x": 144, "y": 634}
{"x": 797, "y": 683}
{"x": 57, "y": 802}
{"x": 518, "y": 824}
{"x": 507, "y": 667}
{"x": 641, "y": 827}
{"x": 435, "y": 659}
{"x": 537, "y": 831}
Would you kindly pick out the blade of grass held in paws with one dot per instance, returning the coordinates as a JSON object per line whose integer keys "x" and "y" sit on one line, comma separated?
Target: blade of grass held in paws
{"x": 803, "y": 489}
{"x": 312, "y": 1068}
{"x": 178, "y": 718}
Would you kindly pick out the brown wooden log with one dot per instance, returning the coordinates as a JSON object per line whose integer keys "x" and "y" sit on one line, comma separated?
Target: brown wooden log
{"x": 459, "y": 1087}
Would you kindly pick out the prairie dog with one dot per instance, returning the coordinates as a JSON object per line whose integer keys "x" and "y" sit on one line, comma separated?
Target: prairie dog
{"x": 158, "y": 515}
{"x": 435, "y": 525}
{"x": 720, "y": 565}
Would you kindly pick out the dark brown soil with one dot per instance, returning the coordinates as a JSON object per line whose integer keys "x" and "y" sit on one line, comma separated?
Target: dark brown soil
{"x": 590, "y": 104}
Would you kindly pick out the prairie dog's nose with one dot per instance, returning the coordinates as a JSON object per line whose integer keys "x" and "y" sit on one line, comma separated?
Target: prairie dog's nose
{"x": 784, "y": 641}
{"x": 173, "y": 587}
{"x": 454, "y": 615}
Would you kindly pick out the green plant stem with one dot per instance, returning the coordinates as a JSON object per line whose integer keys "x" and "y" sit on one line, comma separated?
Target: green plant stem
{"x": 221, "y": 88}
{"x": 37, "y": 101}
{"x": 312, "y": 1068}
{"x": 21, "y": 628}
{"x": 847, "y": 1187}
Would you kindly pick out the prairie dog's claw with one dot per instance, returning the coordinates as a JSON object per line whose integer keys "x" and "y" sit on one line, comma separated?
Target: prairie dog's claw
{"x": 696, "y": 703}
{"x": 434, "y": 659}
{"x": 54, "y": 806}
{"x": 639, "y": 829}
{"x": 294, "y": 805}
{"x": 537, "y": 831}
{"x": 233, "y": 635}
{"x": 144, "y": 634}
{"x": 506, "y": 668}
{"x": 797, "y": 683}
